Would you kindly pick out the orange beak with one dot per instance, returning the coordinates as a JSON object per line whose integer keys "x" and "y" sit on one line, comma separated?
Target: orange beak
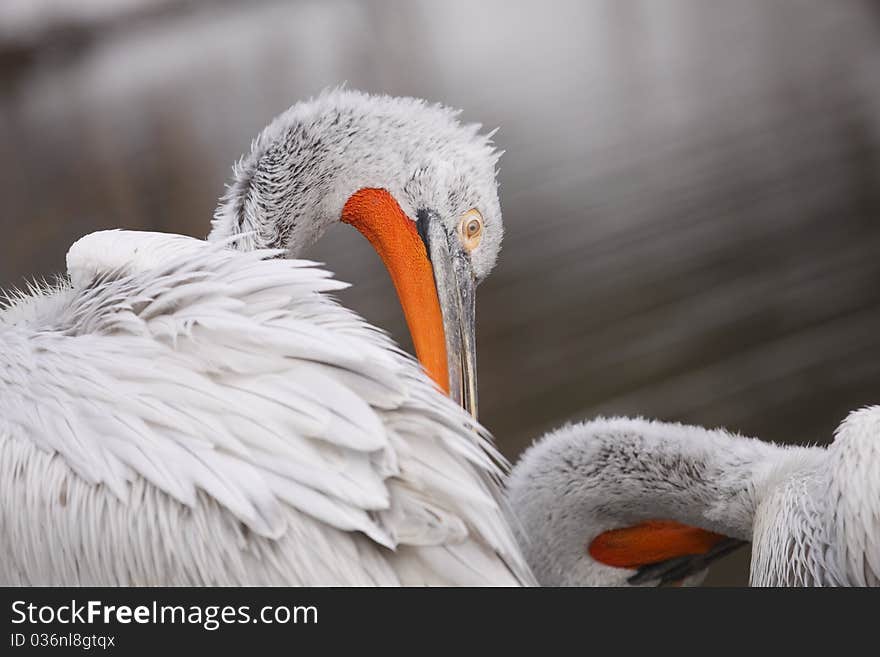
{"x": 651, "y": 542}
{"x": 379, "y": 218}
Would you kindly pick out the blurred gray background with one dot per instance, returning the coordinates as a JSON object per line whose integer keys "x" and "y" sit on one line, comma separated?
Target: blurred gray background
{"x": 691, "y": 189}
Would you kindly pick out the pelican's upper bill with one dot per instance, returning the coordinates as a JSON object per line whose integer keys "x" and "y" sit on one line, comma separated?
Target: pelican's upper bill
{"x": 409, "y": 177}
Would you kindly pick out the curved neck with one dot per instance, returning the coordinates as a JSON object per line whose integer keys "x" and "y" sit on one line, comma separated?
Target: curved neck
{"x": 300, "y": 172}
{"x": 589, "y": 478}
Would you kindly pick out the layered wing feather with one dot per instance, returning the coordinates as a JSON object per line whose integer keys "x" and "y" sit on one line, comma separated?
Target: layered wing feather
{"x": 212, "y": 417}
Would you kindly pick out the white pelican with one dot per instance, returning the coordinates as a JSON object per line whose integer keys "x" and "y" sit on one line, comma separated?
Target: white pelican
{"x": 811, "y": 513}
{"x": 177, "y": 413}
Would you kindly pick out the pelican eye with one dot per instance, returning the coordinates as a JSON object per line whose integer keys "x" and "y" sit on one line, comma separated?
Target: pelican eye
{"x": 470, "y": 229}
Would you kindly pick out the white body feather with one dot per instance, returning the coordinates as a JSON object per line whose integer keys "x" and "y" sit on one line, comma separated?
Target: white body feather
{"x": 181, "y": 414}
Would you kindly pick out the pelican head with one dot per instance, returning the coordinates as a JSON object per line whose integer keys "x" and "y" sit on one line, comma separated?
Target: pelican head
{"x": 419, "y": 185}
{"x": 587, "y": 497}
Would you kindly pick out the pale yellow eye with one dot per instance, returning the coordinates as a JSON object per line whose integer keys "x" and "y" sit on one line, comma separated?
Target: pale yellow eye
{"x": 470, "y": 229}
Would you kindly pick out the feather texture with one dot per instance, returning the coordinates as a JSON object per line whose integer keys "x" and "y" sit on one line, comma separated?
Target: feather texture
{"x": 811, "y": 513}
{"x": 212, "y": 417}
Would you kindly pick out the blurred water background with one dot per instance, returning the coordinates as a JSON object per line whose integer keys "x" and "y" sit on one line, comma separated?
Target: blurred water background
{"x": 691, "y": 190}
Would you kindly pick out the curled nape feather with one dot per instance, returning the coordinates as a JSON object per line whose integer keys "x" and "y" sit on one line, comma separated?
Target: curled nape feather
{"x": 308, "y": 162}
{"x": 218, "y": 419}
{"x": 812, "y": 514}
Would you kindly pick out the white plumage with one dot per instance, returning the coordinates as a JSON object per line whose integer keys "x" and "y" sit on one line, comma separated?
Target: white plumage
{"x": 183, "y": 414}
{"x": 178, "y": 413}
{"x": 811, "y": 513}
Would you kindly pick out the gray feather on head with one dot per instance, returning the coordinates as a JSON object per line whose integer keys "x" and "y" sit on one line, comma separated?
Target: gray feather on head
{"x": 309, "y": 161}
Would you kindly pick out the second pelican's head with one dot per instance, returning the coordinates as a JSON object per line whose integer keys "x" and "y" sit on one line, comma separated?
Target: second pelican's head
{"x": 415, "y": 182}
